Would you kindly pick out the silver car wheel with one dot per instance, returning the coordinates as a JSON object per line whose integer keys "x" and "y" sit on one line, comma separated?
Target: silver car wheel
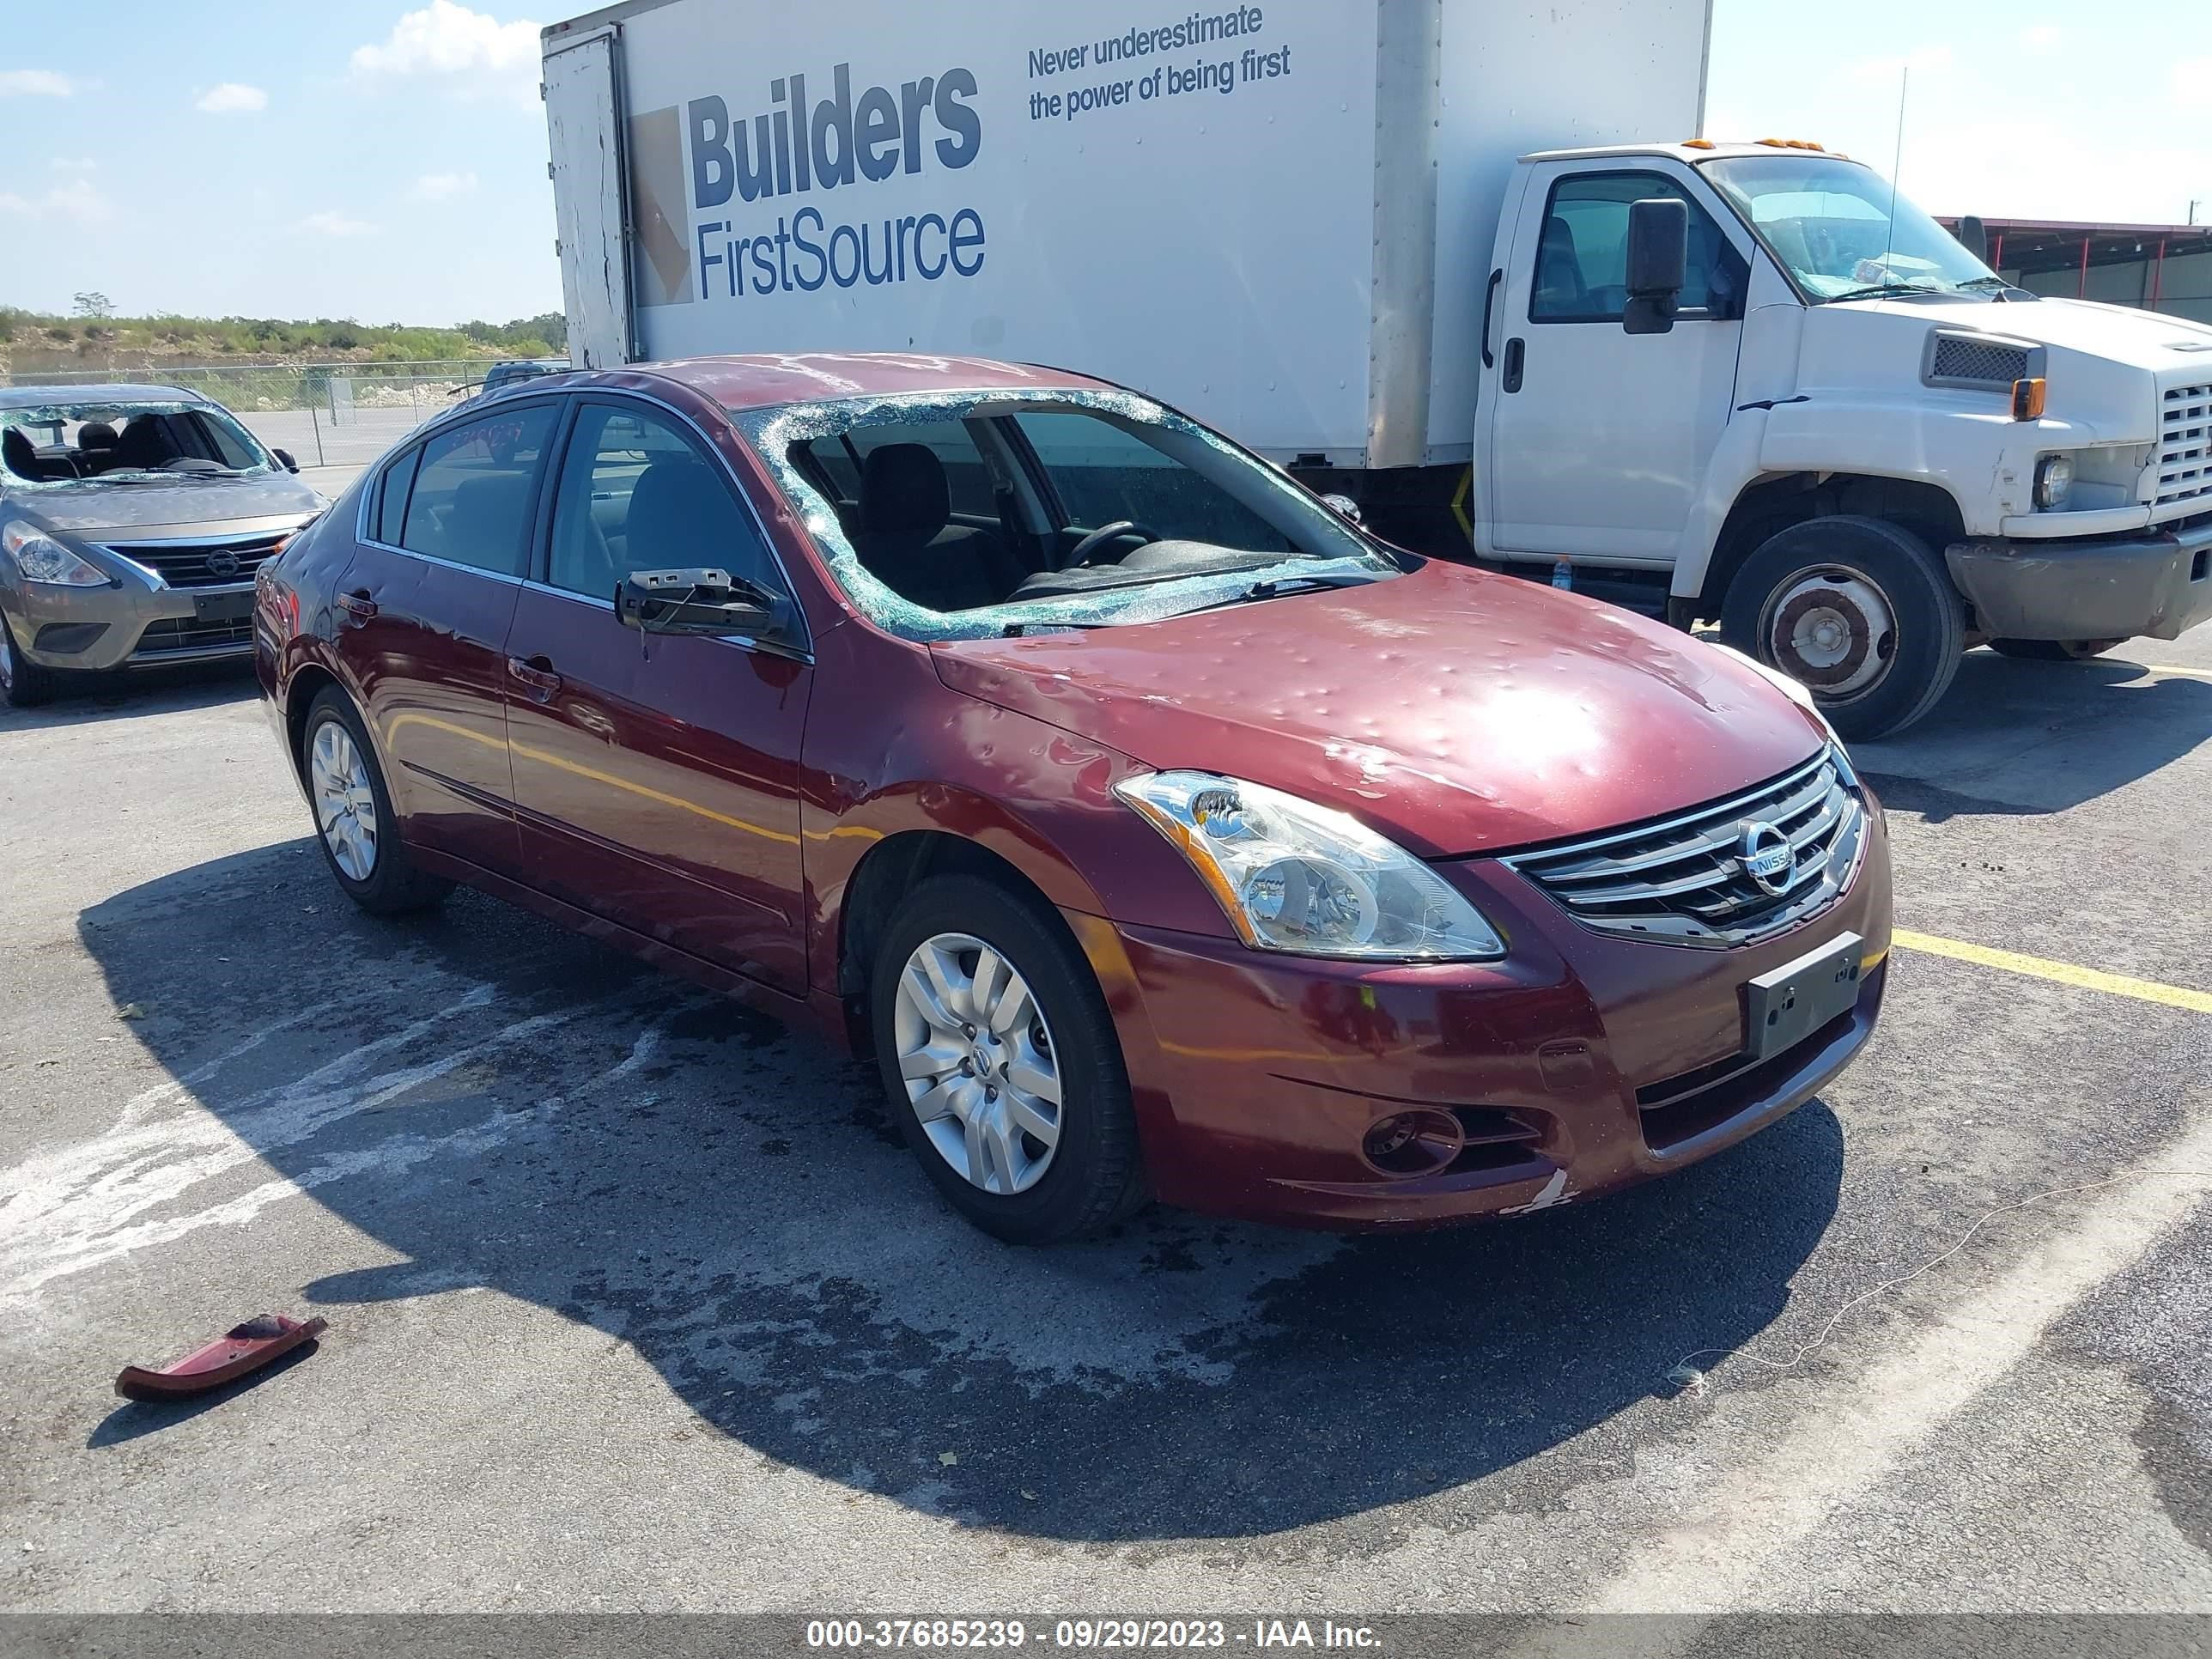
{"x": 346, "y": 805}
{"x": 979, "y": 1063}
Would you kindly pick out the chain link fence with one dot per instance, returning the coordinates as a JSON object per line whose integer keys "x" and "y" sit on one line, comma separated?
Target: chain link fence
{"x": 325, "y": 414}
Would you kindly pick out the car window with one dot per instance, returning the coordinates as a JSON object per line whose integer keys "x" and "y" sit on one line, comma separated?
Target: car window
{"x": 476, "y": 489}
{"x": 1582, "y": 255}
{"x": 636, "y": 494}
{"x": 392, "y": 506}
{"x": 968, "y": 481}
{"x": 1104, "y": 474}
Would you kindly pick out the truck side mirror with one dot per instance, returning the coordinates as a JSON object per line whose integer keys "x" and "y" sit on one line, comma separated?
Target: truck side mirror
{"x": 1658, "y": 264}
{"x": 1974, "y": 237}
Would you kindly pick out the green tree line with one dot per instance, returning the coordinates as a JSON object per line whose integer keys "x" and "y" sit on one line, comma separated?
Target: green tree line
{"x": 215, "y": 338}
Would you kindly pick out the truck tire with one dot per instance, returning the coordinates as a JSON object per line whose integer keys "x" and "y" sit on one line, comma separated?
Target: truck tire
{"x": 1858, "y": 610}
{"x": 973, "y": 1086}
{"x": 2053, "y": 650}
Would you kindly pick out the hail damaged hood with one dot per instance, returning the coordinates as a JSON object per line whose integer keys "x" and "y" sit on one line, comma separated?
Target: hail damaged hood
{"x": 1456, "y": 711}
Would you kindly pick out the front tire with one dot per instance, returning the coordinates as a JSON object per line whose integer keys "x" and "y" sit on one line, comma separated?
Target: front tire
{"x": 355, "y": 825}
{"x": 23, "y": 683}
{"x": 1002, "y": 1064}
{"x": 2053, "y": 650}
{"x": 1859, "y": 611}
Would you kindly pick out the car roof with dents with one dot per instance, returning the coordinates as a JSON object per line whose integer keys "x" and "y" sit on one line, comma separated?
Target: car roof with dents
{"x": 37, "y": 397}
{"x": 764, "y": 380}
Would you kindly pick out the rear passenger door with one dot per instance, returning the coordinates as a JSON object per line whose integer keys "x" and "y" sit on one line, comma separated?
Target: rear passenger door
{"x": 657, "y": 777}
{"x": 422, "y": 618}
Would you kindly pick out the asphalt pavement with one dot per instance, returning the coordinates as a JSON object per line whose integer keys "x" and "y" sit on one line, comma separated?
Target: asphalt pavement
{"x": 637, "y": 1304}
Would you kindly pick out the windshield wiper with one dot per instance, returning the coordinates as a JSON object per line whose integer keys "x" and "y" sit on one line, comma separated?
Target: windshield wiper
{"x": 1876, "y": 290}
{"x": 1276, "y": 587}
{"x": 2001, "y": 289}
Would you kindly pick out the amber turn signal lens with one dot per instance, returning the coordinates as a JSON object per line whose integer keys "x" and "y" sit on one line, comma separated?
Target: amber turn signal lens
{"x": 2028, "y": 399}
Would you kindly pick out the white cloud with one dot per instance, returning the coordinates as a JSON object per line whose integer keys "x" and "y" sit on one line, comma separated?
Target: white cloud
{"x": 2042, "y": 37}
{"x": 34, "y": 83}
{"x": 77, "y": 200}
{"x": 231, "y": 98}
{"x": 75, "y": 164}
{"x": 2192, "y": 78}
{"x": 444, "y": 186}
{"x": 332, "y": 222}
{"x": 469, "y": 53}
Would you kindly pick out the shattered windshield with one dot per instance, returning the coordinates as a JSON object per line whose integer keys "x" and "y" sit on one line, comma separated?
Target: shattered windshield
{"x": 70, "y": 444}
{"x": 972, "y": 514}
{"x": 1844, "y": 232}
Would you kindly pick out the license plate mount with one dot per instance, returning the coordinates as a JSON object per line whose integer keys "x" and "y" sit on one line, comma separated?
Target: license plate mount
{"x": 222, "y": 607}
{"x": 1785, "y": 1005}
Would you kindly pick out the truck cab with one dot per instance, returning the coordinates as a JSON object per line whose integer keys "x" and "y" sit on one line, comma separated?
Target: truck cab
{"x": 1755, "y": 377}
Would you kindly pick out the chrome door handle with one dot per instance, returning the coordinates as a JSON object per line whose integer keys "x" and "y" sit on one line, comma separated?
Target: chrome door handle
{"x": 536, "y": 674}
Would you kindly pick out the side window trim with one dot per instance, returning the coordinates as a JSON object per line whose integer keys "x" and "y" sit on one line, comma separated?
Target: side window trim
{"x": 1683, "y": 192}
{"x": 538, "y": 565}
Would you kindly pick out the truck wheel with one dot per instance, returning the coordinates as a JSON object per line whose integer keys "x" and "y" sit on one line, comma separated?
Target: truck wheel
{"x": 2053, "y": 650}
{"x": 1002, "y": 1063}
{"x": 1858, "y": 610}
{"x": 23, "y": 683}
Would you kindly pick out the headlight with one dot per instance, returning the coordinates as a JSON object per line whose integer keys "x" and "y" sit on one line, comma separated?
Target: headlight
{"x": 2054, "y": 480}
{"x": 1305, "y": 880}
{"x": 43, "y": 559}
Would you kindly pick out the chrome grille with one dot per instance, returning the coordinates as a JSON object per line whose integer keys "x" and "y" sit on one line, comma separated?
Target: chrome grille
{"x": 2185, "y": 445}
{"x": 218, "y": 562}
{"x": 1683, "y": 880}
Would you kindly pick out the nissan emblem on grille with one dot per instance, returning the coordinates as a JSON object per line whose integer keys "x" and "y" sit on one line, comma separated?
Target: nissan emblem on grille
{"x": 223, "y": 562}
{"x": 1766, "y": 855}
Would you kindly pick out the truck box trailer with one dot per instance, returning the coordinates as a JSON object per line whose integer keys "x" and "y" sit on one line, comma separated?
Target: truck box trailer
{"x": 1390, "y": 244}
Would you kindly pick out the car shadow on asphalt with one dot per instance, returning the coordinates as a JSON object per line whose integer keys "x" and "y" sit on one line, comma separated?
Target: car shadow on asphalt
{"x": 2013, "y": 737}
{"x": 503, "y": 1104}
{"x": 119, "y": 695}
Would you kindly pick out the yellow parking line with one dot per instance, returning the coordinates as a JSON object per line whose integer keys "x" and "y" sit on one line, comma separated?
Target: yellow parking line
{"x": 2062, "y": 973}
{"x": 2187, "y": 674}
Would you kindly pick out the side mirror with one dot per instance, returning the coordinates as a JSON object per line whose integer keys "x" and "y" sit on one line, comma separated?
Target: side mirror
{"x": 1658, "y": 264}
{"x": 284, "y": 459}
{"x": 1344, "y": 508}
{"x": 692, "y": 602}
{"x": 1974, "y": 237}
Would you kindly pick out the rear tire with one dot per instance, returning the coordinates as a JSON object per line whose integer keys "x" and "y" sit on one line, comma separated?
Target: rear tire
{"x": 1859, "y": 611}
{"x": 1028, "y": 1022}
{"x": 2053, "y": 650}
{"x": 24, "y": 683}
{"x": 355, "y": 826}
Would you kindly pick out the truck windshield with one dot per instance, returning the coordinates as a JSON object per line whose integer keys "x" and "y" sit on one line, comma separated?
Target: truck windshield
{"x": 1844, "y": 233}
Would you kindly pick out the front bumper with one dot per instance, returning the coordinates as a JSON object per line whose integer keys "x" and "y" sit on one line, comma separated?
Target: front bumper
{"x": 128, "y": 625}
{"x": 1256, "y": 1078}
{"x": 2156, "y": 584}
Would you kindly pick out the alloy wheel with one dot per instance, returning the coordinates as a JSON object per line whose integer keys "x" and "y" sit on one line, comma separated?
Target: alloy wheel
{"x": 1830, "y": 629}
{"x": 345, "y": 804}
{"x": 979, "y": 1063}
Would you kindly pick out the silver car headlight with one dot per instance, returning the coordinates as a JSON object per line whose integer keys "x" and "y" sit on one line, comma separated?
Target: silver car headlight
{"x": 43, "y": 559}
{"x": 1308, "y": 880}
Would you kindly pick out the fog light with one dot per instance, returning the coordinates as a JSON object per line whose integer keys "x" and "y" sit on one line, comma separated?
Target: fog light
{"x": 1412, "y": 1143}
{"x": 2054, "y": 480}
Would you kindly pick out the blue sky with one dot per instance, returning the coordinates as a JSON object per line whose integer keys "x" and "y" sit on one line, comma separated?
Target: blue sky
{"x": 387, "y": 161}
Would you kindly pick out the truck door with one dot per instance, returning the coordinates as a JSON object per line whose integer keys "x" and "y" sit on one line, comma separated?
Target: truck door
{"x": 1598, "y": 440}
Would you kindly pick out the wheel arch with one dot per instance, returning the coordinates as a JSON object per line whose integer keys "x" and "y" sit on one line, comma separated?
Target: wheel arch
{"x": 1777, "y": 501}
{"x": 308, "y": 683}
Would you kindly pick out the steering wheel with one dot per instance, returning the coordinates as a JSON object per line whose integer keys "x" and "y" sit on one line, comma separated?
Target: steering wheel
{"x": 1107, "y": 532}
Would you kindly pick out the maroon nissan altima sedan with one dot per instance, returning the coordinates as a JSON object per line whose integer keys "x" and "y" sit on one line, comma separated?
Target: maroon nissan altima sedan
{"x": 1158, "y": 832}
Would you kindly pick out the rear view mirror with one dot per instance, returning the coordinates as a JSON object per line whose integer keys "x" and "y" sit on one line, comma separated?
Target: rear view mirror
{"x": 1974, "y": 237}
{"x": 1344, "y": 506}
{"x": 703, "y": 601}
{"x": 1658, "y": 264}
{"x": 284, "y": 459}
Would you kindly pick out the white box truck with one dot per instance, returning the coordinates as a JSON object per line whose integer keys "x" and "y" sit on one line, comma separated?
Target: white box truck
{"x": 1462, "y": 261}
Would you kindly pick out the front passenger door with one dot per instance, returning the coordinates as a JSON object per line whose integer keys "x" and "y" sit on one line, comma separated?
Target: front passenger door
{"x": 656, "y": 777}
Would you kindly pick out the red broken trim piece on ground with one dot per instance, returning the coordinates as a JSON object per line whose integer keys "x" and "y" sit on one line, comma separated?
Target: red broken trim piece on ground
{"x": 242, "y": 1349}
